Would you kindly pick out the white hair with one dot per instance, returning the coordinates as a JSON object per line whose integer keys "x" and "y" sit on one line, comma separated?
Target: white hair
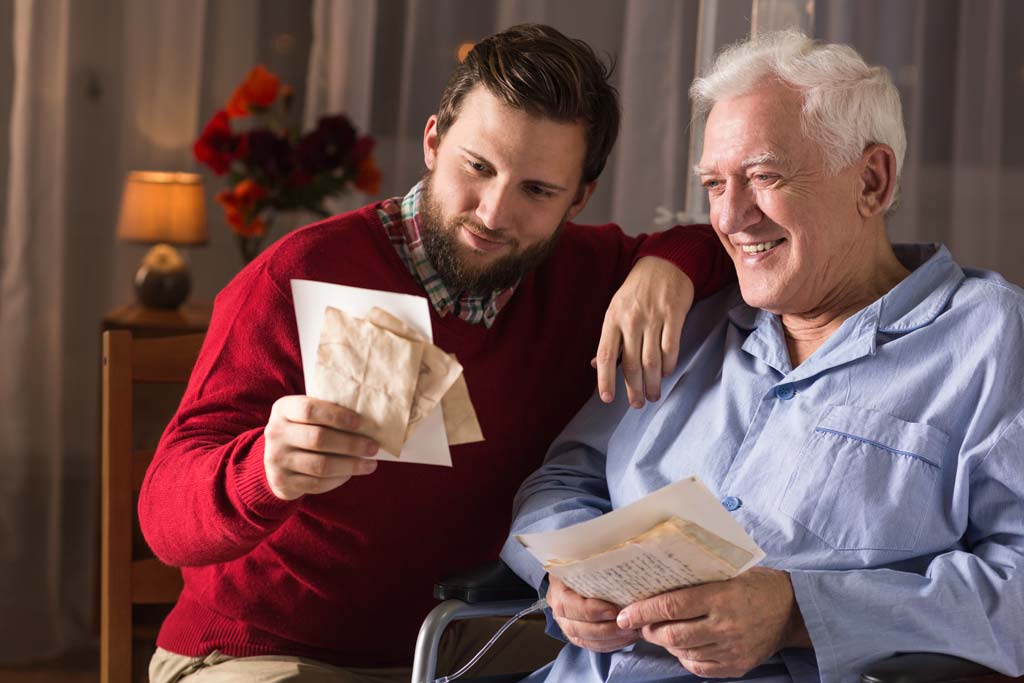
{"x": 847, "y": 105}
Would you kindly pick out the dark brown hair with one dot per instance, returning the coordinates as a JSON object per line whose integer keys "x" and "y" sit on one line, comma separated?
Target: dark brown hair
{"x": 534, "y": 68}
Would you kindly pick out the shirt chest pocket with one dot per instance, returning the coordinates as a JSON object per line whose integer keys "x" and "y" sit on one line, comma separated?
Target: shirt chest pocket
{"x": 865, "y": 480}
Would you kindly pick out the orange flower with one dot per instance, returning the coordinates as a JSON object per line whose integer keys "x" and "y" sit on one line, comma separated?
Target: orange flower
{"x": 257, "y": 91}
{"x": 368, "y": 176}
{"x": 239, "y": 203}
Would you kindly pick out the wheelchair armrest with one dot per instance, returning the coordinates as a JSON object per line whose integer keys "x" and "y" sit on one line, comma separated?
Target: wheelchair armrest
{"x": 929, "y": 668}
{"x": 488, "y": 590}
{"x": 491, "y": 582}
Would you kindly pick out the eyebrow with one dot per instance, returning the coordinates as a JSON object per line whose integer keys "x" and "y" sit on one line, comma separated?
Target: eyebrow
{"x": 753, "y": 160}
{"x": 541, "y": 183}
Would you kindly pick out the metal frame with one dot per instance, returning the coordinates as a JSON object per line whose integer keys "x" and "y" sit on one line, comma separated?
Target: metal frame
{"x": 425, "y": 663}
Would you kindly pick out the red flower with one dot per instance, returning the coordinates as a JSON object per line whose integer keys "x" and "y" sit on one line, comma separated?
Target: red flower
{"x": 263, "y": 150}
{"x": 257, "y": 91}
{"x": 216, "y": 147}
{"x": 368, "y": 176}
{"x": 328, "y": 147}
{"x": 362, "y": 149}
{"x": 272, "y": 166}
{"x": 239, "y": 206}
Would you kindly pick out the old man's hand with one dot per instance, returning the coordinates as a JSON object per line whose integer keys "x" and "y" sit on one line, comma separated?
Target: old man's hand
{"x": 644, "y": 320}
{"x": 587, "y": 622}
{"x": 722, "y": 629}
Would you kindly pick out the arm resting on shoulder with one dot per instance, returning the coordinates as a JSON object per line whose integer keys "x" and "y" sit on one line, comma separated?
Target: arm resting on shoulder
{"x": 668, "y": 272}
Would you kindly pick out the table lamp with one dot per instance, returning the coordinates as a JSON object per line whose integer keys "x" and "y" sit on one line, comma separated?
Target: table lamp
{"x": 165, "y": 209}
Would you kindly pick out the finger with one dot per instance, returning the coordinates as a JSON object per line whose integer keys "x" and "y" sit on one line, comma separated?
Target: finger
{"x": 632, "y": 368}
{"x": 677, "y": 605}
{"x": 320, "y": 466}
{"x": 289, "y": 485}
{"x": 567, "y": 603}
{"x": 607, "y": 356}
{"x": 719, "y": 668}
{"x": 709, "y": 654}
{"x": 707, "y": 669}
{"x": 695, "y": 634}
{"x": 597, "y": 632}
{"x": 314, "y": 411}
{"x": 603, "y": 645}
{"x": 327, "y": 440}
{"x": 295, "y": 485}
{"x": 651, "y": 356}
{"x": 670, "y": 344}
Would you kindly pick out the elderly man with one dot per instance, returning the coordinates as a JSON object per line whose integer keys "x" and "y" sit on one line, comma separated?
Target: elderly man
{"x": 859, "y": 411}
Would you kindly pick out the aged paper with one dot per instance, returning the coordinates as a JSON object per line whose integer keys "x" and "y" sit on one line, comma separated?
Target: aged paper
{"x": 672, "y": 555}
{"x": 428, "y": 444}
{"x": 372, "y": 371}
{"x": 460, "y": 421}
{"x": 355, "y": 350}
{"x": 438, "y": 371}
{"x": 676, "y": 536}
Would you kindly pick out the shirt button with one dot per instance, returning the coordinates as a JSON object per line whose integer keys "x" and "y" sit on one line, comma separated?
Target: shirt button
{"x": 785, "y": 391}
{"x": 731, "y": 503}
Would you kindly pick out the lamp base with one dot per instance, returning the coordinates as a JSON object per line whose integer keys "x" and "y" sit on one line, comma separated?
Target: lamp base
{"x": 162, "y": 280}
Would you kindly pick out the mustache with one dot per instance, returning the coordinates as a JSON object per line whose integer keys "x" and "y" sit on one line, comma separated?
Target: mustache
{"x": 485, "y": 233}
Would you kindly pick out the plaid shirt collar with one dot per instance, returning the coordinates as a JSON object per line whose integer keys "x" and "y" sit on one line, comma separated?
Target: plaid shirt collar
{"x": 400, "y": 217}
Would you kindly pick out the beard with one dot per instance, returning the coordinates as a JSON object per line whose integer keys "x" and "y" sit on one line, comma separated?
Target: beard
{"x": 440, "y": 239}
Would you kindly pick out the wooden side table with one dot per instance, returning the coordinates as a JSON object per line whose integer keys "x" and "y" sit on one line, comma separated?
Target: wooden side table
{"x": 191, "y": 317}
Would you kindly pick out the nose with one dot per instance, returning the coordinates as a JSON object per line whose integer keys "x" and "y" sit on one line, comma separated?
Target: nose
{"x": 494, "y": 207}
{"x": 737, "y": 209}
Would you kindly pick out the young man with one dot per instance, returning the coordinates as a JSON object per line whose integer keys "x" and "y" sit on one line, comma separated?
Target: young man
{"x": 291, "y": 546}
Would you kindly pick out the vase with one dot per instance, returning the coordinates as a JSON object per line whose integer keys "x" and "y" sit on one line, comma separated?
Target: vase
{"x": 250, "y": 246}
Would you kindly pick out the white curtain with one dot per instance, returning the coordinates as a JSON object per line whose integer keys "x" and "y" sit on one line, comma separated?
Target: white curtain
{"x": 90, "y": 90}
{"x": 395, "y": 81}
{"x": 957, "y": 64}
{"x": 33, "y": 561}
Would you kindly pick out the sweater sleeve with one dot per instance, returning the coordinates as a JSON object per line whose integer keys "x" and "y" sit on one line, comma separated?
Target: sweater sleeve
{"x": 205, "y": 498}
{"x": 695, "y": 250}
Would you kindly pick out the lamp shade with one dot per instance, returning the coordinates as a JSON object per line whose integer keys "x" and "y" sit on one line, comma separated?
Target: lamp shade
{"x": 163, "y": 207}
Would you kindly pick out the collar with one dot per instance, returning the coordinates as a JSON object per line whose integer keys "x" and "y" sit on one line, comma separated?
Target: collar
{"x": 924, "y": 294}
{"x": 911, "y": 304}
{"x": 402, "y": 220}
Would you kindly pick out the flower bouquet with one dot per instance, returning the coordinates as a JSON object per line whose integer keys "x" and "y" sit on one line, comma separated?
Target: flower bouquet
{"x": 271, "y": 167}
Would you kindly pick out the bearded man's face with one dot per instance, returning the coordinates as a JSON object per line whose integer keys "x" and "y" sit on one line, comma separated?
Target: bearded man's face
{"x": 456, "y": 263}
{"x": 500, "y": 185}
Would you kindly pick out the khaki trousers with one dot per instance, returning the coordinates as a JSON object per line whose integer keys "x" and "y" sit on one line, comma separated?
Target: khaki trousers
{"x": 524, "y": 647}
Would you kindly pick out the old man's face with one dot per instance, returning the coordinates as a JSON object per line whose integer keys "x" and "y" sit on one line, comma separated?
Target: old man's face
{"x": 792, "y": 229}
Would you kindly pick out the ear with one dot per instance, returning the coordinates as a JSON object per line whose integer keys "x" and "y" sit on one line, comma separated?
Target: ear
{"x": 878, "y": 180}
{"x": 431, "y": 140}
{"x": 582, "y": 197}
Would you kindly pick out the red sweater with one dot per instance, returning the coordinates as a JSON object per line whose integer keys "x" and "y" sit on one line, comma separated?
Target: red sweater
{"x": 346, "y": 577}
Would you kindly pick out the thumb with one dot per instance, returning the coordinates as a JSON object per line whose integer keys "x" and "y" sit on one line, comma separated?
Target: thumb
{"x": 672, "y": 606}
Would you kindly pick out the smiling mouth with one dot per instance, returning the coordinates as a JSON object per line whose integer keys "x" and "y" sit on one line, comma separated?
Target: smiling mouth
{"x": 477, "y": 235}
{"x": 761, "y": 246}
{"x": 479, "y": 243}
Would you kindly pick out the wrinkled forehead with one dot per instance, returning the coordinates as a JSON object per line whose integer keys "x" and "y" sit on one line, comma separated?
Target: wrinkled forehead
{"x": 762, "y": 124}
